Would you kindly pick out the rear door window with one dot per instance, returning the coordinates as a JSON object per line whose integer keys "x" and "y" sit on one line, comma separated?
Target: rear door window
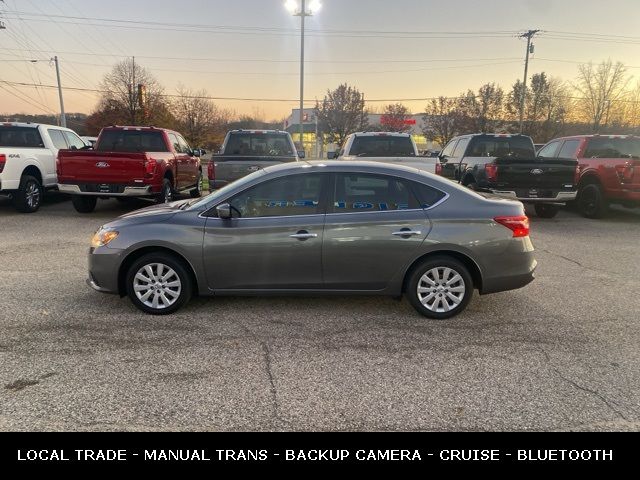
{"x": 363, "y": 193}
{"x": 57, "y": 137}
{"x": 20, "y": 137}
{"x": 569, "y": 149}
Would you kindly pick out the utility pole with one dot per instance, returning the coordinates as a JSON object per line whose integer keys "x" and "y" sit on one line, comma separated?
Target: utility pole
{"x": 63, "y": 117}
{"x": 303, "y": 14}
{"x": 133, "y": 91}
{"x": 529, "y": 36}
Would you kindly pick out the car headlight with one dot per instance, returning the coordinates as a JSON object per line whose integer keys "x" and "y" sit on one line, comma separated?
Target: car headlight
{"x": 103, "y": 237}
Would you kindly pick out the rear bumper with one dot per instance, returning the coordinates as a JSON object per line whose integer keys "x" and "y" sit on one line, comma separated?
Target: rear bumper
{"x": 144, "y": 191}
{"x": 561, "y": 197}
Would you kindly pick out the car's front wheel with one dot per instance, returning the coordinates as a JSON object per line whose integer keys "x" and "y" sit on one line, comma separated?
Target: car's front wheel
{"x": 158, "y": 284}
{"x": 440, "y": 288}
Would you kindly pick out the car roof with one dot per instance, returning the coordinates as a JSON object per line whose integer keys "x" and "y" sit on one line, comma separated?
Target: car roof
{"x": 577, "y": 137}
{"x": 381, "y": 134}
{"x": 29, "y": 125}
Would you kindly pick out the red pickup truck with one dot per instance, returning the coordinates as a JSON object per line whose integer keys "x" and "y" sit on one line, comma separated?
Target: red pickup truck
{"x": 608, "y": 170}
{"x": 130, "y": 162}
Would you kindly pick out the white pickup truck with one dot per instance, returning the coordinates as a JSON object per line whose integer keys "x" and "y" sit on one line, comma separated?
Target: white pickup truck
{"x": 28, "y": 154}
{"x": 386, "y": 147}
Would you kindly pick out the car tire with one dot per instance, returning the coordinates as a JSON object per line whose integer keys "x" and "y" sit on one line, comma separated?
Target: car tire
{"x": 84, "y": 204}
{"x": 166, "y": 194}
{"x": 443, "y": 297}
{"x": 591, "y": 201}
{"x": 545, "y": 210}
{"x": 159, "y": 284}
{"x": 28, "y": 198}
{"x": 197, "y": 192}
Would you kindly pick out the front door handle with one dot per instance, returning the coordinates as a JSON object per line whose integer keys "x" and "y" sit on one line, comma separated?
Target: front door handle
{"x": 407, "y": 233}
{"x": 303, "y": 235}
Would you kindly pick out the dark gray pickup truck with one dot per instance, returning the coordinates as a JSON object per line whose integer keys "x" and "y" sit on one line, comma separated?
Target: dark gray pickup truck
{"x": 507, "y": 165}
{"x": 247, "y": 151}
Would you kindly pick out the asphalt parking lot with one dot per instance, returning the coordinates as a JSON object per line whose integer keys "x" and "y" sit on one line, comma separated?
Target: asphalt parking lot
{"x": 561, "y": 354}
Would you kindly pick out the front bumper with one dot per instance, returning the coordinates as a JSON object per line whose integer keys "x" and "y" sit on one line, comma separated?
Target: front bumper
{"x": 127, "y": 191}
{"x": 104, "y": 268}
{"x": 561, "y": 197}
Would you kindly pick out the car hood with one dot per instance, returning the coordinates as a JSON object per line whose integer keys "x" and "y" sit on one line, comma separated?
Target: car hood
{"x": 152, "y": 214}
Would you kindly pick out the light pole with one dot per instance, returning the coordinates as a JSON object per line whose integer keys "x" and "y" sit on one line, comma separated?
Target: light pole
{"x": 301, "y": 10}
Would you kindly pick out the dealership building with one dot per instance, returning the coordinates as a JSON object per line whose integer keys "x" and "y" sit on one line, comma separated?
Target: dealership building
{"x": 317, "y": 149}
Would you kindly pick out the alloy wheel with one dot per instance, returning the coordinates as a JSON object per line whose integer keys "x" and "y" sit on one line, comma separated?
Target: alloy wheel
{"x": 157, "y": 286}
{"x": 441, "y": 290}
{"x": 32, "y": 194}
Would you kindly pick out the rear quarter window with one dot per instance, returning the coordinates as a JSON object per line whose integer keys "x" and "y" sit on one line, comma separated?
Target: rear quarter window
{"x": 427, "y": 196}
{"x": 20, "y": 137}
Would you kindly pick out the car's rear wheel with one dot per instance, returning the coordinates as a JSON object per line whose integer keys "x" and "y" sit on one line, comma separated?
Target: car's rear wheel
{"x": 158, "y": 284}
{"x": 28, "y": 198}
{"x": 545, "y": 210}
{"x": 84, "y": 204}
{"x": 440, "y": 288}
{"x": 591, "y": 201}
{"x": 197, "y": 192}
{"x": 166, "y": 194}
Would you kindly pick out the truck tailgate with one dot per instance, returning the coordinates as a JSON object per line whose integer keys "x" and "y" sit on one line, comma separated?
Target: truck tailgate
{"x": 100, "y": 167}
{"x": 232, "y": 167}
{"x": 545, "y": 173}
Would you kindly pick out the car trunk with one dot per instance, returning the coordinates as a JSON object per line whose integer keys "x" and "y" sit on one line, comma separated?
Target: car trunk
{"x": 539, "y": 174}
{"x": 230, "y": 168}
{"x": 106, "y": 167}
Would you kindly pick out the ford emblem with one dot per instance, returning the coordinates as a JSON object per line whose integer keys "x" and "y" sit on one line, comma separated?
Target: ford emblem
{"x": 102, "y": 165}
{"x": 537, "y": 171}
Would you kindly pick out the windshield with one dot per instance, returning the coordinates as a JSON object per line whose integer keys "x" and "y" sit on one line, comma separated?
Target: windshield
{"x": 259, "y": 144}
{"x": 211, "y": 199}
{"x": 613, "y": 148}
{"x": 382, "y": 146}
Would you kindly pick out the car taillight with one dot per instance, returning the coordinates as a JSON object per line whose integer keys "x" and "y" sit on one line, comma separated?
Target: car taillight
{"x": 211, "y": 170}
{"x": 150, "y": 168}
{"x": 438, "y": 168}
{"x": 518, "y": 225}
{"x": 3, "y": 162}
{"x": 491, "y": 170}
{"x": 57, "y": 165}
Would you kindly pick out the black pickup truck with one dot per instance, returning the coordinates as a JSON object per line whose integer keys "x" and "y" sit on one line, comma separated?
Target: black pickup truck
{"x": 507, "y": 165}
{"x": 247, "y": 151}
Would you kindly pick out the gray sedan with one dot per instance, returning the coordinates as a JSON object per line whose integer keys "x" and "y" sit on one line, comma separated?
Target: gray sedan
{"x": 319, "y": 228}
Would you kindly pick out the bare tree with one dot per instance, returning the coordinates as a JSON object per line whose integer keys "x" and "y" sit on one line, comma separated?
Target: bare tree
{"x": 482, "y": 112}
{"x": 394, "y": 118}
{"x": 601, "y": 88}
{"x": 131, "y": 95}
{"x": 341, "y": 113}
{"x": 442, "y": 120}
{"x": 198, "y": 118}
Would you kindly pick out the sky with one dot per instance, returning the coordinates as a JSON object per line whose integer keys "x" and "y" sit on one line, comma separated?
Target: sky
{"x": 250, "y": 49}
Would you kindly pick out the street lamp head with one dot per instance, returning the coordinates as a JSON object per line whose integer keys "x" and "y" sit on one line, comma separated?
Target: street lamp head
{"x": 315, "y": 6}
{"x": 295, "y": 8}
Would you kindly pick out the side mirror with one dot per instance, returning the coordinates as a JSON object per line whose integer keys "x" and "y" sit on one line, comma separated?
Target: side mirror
{"x": 197, "y": 153}
{"x": 301, "y": 154}
{"x": 443, "y": 158}
{"x": 224, "y": 211}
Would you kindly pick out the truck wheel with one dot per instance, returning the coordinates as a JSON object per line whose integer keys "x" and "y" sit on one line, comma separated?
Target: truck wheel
{"x": 591, "y": 201}
{"x": 166, "y": 194}
{"x": 84, "y": 204}
{"x": 28, "y": 198}
{"x": 197, "y": 192}
{"x": 159, "y": 284}
{"x": 545, "y": 210}
{"x": 440, "y": 288}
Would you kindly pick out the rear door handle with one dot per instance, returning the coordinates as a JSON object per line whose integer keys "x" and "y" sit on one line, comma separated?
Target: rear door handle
{"x": 303, "y": 235}
{"x": 407, "y": 233}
